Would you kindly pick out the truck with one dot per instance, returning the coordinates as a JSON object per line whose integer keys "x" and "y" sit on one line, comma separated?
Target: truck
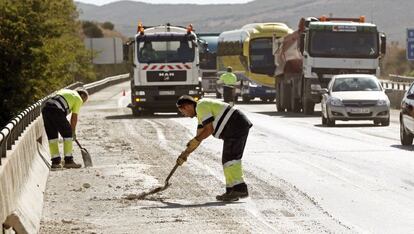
{"x": 307, "y": 58}
{"x": 164, "y": 65}
{"x": 207, "y": 44}
{"x": 248, "y": 51}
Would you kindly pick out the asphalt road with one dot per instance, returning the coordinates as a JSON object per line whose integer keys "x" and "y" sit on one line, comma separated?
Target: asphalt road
{"x": 303, "y": 177}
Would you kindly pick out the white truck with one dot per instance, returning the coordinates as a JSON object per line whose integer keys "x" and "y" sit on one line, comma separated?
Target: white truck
{"x": 307, "y": 59}
{"x": 165, "y": 65}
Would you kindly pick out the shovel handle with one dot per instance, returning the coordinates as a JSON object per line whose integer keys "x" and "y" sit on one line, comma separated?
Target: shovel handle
{"x": 77, "y": 142}
{"x": 171, "y": 173}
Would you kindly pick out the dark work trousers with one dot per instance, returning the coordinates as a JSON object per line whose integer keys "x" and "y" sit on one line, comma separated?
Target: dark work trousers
{"x": 228, "y": 93}
{"x": 235, "y": 135}
{"x": 55, "y": 122}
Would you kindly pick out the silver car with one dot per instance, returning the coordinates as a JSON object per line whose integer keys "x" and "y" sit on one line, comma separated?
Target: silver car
{"x": 355, "y": 97}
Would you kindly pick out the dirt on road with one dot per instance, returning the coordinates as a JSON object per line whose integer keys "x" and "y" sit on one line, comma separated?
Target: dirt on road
{"x": 132, "y": 155}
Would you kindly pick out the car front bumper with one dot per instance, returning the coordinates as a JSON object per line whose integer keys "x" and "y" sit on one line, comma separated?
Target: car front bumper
{"x": 358, "y": 113}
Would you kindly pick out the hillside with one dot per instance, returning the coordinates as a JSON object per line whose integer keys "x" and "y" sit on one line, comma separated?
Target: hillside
{"x": 392, "y": 17}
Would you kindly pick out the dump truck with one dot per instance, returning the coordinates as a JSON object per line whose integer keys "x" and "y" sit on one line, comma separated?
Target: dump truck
{"x": 207, "y": 45}
{"x": 164, "y": 65}
{"x": 307, "y": 58}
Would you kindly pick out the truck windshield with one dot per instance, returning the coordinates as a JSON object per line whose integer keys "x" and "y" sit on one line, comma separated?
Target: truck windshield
{"x": 171, "y": 51}
{"x": 208, "y": 52}
{"x": 261, "y": 56}
{"x": 344, "y": 44}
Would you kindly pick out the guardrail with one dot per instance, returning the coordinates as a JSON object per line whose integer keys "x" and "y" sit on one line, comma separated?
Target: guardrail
{"x": 11, "y": 132}
{"x": 398, "y": 78}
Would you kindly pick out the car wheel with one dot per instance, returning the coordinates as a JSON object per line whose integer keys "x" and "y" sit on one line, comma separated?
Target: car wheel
{"x": 330, "y": 122}
{"x": 324, "y": 121}
{"x": 405, "y": 137}
{"x": 377, "y": 122}
{"x": 386, "y": 122}
{"x": 218, "y": 95}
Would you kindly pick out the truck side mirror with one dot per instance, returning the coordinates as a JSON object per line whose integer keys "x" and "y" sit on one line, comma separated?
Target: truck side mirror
{"x": 383, "y": 43}
{"x": 302, "y": 43}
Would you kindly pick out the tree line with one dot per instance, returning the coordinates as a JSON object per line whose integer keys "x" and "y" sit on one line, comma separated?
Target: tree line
{"x": 41, "y": 50}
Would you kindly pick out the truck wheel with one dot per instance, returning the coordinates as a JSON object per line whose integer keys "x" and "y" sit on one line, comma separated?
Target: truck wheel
{"x": 136, "y": 112}
{"x": 296, "y": 105}
{"x": 246, "y": 98}
{"x": 264, "y": 99}
{"x": 308, "y": 107}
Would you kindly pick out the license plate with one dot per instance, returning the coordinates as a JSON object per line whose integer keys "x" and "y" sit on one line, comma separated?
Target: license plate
{"x": 167, "y": 92}
{"x": 270, "y": 91}
{"x": 359, "y": 110}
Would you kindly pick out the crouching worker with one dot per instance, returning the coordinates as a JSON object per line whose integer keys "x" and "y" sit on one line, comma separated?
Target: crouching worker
{"x": 224, "y": 122}
{"x": 54, "y": 114}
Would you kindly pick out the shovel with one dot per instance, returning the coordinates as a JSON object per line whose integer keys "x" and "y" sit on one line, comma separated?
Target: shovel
{"x": 166, "y": 185}
{"x": 161, "y": 188}
{"x": 86, "y": 157}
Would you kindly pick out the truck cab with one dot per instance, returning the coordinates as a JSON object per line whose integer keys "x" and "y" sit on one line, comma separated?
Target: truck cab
{"x": 165, "y": 65}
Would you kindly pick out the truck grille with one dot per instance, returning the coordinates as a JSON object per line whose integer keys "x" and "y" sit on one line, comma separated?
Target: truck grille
{"x": 166, "y": 76}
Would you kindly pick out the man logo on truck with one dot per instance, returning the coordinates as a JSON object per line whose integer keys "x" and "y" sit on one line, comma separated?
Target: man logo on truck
{"x": 166, "y": 75}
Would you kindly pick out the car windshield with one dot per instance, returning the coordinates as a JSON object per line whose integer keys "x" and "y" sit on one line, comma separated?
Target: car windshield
{"x": 355, "y": 84}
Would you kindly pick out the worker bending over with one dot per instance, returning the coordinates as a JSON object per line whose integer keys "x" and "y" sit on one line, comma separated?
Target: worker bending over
{"x": 224, "y": 122}
{"x": 54, "y": 114}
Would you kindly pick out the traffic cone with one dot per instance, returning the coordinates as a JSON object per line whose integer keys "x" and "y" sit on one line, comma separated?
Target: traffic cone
{"x": 123, "y": 93}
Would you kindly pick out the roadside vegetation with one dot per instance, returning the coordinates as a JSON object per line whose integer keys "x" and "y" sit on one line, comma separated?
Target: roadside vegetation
{"x": 41, "y": 51}
{"x": 395, "y": 61}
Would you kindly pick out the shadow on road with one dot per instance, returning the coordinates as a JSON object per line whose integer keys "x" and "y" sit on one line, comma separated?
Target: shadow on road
{"x": 349, "y": 125}
{"x": 149, "y": 116}
{"x": 404, "y": 147}
{"x": 288, "y": 114}
{"x": 172, "y": 205}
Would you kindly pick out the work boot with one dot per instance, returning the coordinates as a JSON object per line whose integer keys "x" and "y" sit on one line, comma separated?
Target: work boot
{"x": 227, "y": 197}
{"x": 56, "y": 164}
{"x": 69, "y": 163}
{"x": 241, "y": 190}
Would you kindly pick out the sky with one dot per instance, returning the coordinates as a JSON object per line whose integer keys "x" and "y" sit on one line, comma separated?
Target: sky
{"x": 102, "y": 2}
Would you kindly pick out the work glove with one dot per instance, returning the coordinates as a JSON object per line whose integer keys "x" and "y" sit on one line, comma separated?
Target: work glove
{"x": 192, "y": 145}
{"x": 182, "y": 158}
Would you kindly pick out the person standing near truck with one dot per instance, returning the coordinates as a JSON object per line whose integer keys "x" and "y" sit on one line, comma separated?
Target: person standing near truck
{"x": 54, "y": 113}
{"x": 229, "y": 79}
{"x": 224, "y": 122}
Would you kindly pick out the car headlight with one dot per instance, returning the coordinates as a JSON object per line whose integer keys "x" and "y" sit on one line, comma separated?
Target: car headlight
{"x": 336, "y": 102}
{"x": 382, "y": 102}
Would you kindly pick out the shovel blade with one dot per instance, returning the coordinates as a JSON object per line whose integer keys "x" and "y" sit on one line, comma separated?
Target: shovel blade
{"x": 86, "y": 157}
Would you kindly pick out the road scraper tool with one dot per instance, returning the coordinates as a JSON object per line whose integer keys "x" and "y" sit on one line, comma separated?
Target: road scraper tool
{"x": 167, "y": 184}
{"x": 86, "y": 157}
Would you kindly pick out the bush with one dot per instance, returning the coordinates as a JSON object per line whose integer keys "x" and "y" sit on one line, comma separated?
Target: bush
{"x": 91, "y": 30}
{"x": 108, "y": 25}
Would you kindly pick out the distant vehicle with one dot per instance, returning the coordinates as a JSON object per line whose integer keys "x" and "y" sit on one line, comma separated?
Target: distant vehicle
{"x": 207, "y": 46}
{"x": 355, "y": 97}
{"x": 248, "y": 51}
{"x": 407, "y": 117}
{"x": 164, "y": 66}
{"x": 322, "y": 47}
{"x": 253, "y": 90}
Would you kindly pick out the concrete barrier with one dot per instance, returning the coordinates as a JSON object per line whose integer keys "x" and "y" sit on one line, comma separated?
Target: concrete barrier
{"x": 396, "y": 97}
{"x": 23, "y": 177}
{"x": 24, "y": 169}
